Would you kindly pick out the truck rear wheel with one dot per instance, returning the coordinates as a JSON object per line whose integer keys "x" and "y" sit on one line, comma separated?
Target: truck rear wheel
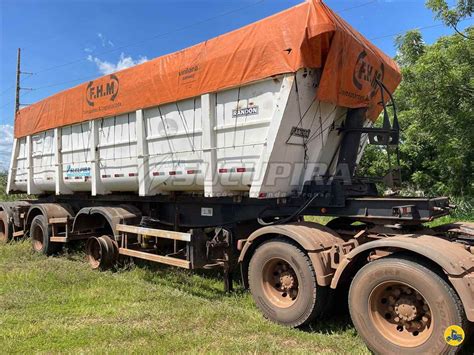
{"x": 283, "y": 284}
{"x": 5, "y": 228}
{"x": 102, "y": 252}
{"x": 40, "y": 232}
{"x": 399, "y": 306}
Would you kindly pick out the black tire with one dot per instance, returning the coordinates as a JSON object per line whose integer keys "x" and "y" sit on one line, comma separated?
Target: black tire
{"x": 40, "y": 231}
{"x": 311, "y": 299}
{"x": 445, "y": 308}
{"x": 6, "y": 230}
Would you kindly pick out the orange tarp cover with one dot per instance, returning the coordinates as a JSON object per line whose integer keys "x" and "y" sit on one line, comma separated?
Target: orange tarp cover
{"x": 308, "y": 35}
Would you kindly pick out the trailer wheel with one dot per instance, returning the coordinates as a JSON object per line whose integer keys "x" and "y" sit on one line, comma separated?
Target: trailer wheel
{"x": 5, "y": 228}
{"x": 283, "y": 284}
{"x": 102, "y": 252}
{"x": 399, "y": 306}
{"x": 40, "y": 232}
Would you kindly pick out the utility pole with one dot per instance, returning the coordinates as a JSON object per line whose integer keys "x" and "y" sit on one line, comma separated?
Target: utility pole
{"x": 18, "y": 73}
{"x": 18, "y": 79}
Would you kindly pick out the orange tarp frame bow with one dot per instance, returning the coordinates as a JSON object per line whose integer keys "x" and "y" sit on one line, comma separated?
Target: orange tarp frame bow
{"x": 308, "y": 35}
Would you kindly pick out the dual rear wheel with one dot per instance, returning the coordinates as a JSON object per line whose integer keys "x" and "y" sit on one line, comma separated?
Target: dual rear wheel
{"x": 397, "y": 305}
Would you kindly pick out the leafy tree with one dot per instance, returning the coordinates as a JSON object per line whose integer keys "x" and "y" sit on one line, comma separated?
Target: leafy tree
{"x": 410, "y": 47}
{"x": 451, "y": 16}
{"x": 435, "y": 103}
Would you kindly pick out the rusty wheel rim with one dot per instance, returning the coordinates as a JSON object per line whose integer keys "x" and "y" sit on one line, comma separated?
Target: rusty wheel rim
{"x": 94, "y": 252}
{"x": 401, "y": 314}
{"x": 37, "y": 236}
{"x": 280, "y": 283}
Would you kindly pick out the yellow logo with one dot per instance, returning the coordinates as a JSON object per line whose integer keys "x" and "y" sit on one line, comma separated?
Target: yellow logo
{"x": 454, "y": 335}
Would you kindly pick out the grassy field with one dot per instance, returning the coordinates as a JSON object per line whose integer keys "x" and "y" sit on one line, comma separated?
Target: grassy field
{"x": 58, "y": 304}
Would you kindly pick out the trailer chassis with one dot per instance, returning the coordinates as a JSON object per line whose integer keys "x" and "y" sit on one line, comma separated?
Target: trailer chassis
{"x": 406, "y": 281}
{"x": 194, "y": 232}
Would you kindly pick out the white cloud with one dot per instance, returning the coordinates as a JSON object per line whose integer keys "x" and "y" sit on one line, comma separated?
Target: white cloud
{"x": 105, "y": 41}
{"x": 124, "y": 62}
{"x": 6, "y": 143}
{"x": 89, "y": 50}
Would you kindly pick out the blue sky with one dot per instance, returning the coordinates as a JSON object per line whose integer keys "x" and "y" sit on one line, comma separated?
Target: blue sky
{"x": 66, "y": 42}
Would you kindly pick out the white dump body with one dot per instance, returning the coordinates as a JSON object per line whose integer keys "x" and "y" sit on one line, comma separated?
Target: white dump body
{"x": 265, "y": 139}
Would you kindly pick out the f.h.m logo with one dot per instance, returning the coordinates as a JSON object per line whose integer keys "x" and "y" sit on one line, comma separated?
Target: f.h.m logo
{"x": 365, "y": 73}
{"x": 107, "y": 89}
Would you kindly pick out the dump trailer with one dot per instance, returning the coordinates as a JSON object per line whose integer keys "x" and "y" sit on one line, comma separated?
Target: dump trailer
{"x": 209, "y": 158}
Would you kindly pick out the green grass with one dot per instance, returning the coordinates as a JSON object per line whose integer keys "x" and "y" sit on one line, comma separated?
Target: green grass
{"x": 58, "y": 304}
{"x": 318, "y": 219}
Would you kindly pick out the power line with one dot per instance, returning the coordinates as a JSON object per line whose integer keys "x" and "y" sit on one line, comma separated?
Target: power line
{"x": 154, "y": 37}
{"x": 14, "y": 85}
{"x": 132, "y": 44}
{"x": 10, "y": 102}
{"x": 62, "y": 83}
{"x": 67, "y": 82}
{"x": 177, "y": 30}
{"x": 357, "y": 6}
{"x": 129, "y": 45}
{"x": 413, "y": 29}
{"x": 160, "y": 35}
{"x": 192, "y": 25}
{"x": 7, "y": 89}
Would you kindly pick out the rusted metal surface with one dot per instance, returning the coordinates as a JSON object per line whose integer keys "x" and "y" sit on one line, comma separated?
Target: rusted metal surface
{"x": 14, "y": 213}
{"x": 102, "y": 252}
{"x": 464, "y": 286}
{"x": 279, "y": 283}
{"x": 61, "y": 220}
{"x": 58, "y": 239}
{"x": 463, "y": 228}
{"x": 331, "y": 255}
{"x": 18, "y": 234}
{"x": 453, "y": 258}
{"x": 401, "y": 313}
{"x": 156, "y": 258}
{"x": 48, "y": 210}
{"x": 88, "y": 217}
{"x": 316, "y": 239}
{"x": 9, "y": 206}
{"x": 70, "y": 237}
{"x": 158, "y": 233}
{"x": 311, "y": 236}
